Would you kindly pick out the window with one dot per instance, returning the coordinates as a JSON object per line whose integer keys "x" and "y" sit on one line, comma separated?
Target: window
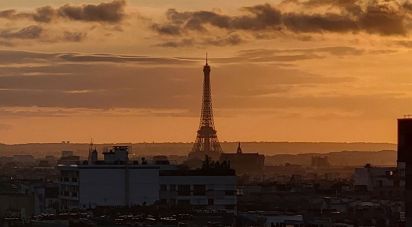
{"x": 163, "y": 187}
{"x": 183, "y": 189}
{"x": 229, "y": 207}
{"x": 183, "y": 202}
{"x": 172, "y": 187}
{"x": 199, "y": 189}
{"x": 229, "y": 192}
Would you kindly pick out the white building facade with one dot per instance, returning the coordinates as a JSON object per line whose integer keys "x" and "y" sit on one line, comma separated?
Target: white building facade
{"x": 119, "y": 182}
{"x": 205, "y": 189}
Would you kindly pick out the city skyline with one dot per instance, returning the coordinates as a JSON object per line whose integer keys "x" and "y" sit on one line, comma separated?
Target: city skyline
{"x": 130, "y": 71}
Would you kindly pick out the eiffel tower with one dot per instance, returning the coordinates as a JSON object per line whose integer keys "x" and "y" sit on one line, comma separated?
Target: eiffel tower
{"x": 206, "y": 143}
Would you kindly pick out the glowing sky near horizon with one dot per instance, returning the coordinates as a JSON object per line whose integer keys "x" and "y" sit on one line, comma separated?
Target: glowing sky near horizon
{"x": 131, "y": 71}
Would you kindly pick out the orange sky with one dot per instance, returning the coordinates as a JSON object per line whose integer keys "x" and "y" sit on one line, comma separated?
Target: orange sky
{"x": 131, "y": 71}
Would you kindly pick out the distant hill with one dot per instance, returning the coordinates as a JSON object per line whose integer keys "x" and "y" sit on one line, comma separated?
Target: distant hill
{"x": 267, "y": 148}
{"x": 343, "y": 158}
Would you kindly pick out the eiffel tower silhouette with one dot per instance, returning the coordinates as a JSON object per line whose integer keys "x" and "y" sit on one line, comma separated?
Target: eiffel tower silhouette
{"x": 206, "y": 143}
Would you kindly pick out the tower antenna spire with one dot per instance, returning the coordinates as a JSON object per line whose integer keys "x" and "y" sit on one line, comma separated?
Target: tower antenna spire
{"x": 206, "y": 58}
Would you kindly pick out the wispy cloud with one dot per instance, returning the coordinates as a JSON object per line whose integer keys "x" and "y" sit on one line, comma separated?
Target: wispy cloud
{"x": 111, "y": 12}
{"x": 109, "y": 81}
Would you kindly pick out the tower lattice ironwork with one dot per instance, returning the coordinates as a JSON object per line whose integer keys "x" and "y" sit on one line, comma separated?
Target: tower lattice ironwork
{"x": 206, "y": 140}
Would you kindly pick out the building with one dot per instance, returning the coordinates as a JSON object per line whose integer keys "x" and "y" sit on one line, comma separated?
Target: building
{"x": 68, "y": 157}
{"x": 405, "y": 162}
{"x": 24, "y": 159}
{"x": 320, "y": 162}
{"x": 16, "y": 205}
{"x": 383, "y": 181}
{"x": 211, "y": 187}
{"x": 244, "y": 163}
{"x": 116, "y": 181}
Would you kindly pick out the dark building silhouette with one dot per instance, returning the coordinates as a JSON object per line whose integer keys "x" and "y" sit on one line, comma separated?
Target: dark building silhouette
{"x": 206, "y": 140}
{"x": 320, "y": 162}
{"x": 405, "y": 162}
{"x": 244, "y": 163}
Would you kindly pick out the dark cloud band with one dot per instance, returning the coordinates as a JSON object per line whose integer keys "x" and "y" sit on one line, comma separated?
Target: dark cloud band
{"x": 350, "y": 16}
{"x": 111, "y": 12}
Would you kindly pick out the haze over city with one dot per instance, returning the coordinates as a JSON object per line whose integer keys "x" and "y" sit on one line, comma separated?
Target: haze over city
{"x": 129, "y": 71}
{"x": 207, "y": 113}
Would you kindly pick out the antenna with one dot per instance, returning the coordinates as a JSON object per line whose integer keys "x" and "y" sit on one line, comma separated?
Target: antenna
{"x": 206, "y": 58}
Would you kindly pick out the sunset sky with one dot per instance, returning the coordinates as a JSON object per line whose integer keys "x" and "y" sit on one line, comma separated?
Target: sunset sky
{"x": 131, "y": 71}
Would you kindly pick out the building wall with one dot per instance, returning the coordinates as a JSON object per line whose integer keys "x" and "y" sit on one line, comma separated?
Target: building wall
{"x": 374, "y": 177}
{"x": 118, "y": 185}
{"x": 362, "y": 178}
{"x": 220, "y": 191}
{"x": 381, "y": 180}
{"x": 69, "y": 188}
{"x": 102, "y": 187}
{"x": 405, "y": 160}
{"x": 108, "y": 185}
{"x": 144, "y": 186}
{"x": 16, "y": 205}
{"x": 245, "y": 163}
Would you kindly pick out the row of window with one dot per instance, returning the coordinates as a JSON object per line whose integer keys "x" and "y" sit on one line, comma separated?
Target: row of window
{"x": 68, "y": 179}
{"x": 186, "y": 190}
{"x": 183, "y": 201}
{"x": 68, "y": 194}
{"x": 180, "y": 202}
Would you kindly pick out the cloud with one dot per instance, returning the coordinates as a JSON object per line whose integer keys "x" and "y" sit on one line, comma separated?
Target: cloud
{"x": 11, "y": 37}
{"x": 30, "y": 32}
{"x": 385, "y": 18}
{"x": 229, "y": 40}
{"x": 107, "y": 81}
{"x": 166, "y": 29}
{"x": 42, "y": 60}
{"x": 5, "y": 127}
{"x": 263, "y": 17}
{"x": 109, "y": 58}
{"x": 34, "y": 111}
{"x": 294, "y": 55}
{"x": 403, "y": 43}
{"x": 179, "y": 43}
{"x": 44, "y": 14}
{"x": 74, "y": 36}
{"x": 319, "y": 23}
{"x": 23, "y": 58}
{"x": 110, "y": 12}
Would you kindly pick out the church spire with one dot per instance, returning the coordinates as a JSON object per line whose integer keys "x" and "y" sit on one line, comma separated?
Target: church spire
{"x": 239, "y": 149}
